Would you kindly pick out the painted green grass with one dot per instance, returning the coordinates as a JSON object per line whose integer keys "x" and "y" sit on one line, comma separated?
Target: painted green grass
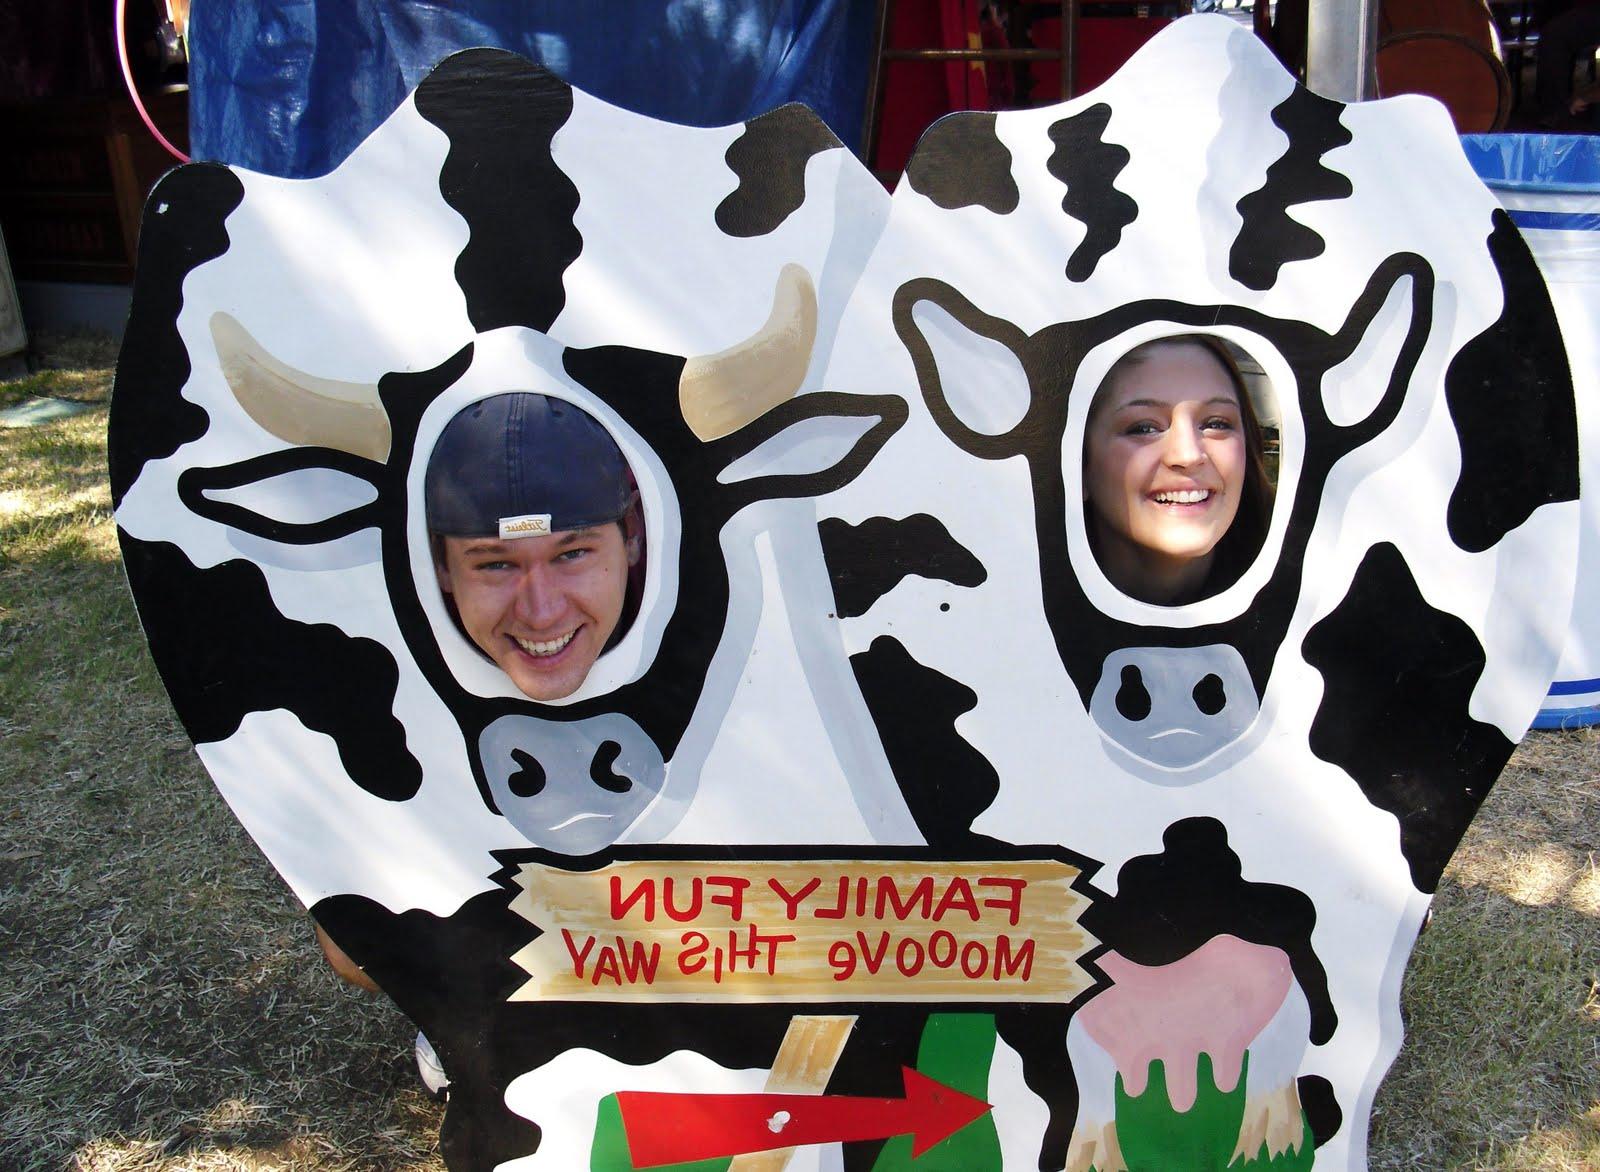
{"x": 163, "y": 1008}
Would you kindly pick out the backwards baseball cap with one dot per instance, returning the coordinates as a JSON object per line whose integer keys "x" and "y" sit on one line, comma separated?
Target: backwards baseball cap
{"x": 522, "y": 465}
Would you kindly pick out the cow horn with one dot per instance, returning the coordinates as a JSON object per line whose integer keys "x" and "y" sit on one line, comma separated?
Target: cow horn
{"x": 720, "y": 393}
{"x": 297, "y": 407}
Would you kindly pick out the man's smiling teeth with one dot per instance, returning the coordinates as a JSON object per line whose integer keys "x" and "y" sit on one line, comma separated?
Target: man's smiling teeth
{"x": 550, "y": 648}
{"x": 1184, "y": 496}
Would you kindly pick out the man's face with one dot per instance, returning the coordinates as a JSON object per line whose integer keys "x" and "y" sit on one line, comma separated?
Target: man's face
{"x": 543, "y": 608}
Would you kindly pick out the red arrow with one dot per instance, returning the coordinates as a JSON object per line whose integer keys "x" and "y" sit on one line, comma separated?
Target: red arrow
{"x": 671, "y": 1128}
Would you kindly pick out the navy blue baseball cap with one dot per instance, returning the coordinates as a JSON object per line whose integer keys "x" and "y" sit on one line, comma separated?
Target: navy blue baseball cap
{"x": 523, "y": 465}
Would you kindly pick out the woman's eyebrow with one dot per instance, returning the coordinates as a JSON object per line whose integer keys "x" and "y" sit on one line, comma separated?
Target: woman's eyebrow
{"x": 1227, "y": 400}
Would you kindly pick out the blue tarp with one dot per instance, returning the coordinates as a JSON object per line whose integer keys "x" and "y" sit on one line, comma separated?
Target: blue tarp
{"x": 1535, "y": 162}
{"x": 290, "y": 87}
{"x": 1548, "y": 181}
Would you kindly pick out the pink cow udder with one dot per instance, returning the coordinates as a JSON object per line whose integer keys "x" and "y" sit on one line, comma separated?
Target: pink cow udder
{"x": 1214, "y": 1001}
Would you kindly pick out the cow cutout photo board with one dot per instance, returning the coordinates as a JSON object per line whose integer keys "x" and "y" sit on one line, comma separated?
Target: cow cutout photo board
{"x": 910, "y": 815}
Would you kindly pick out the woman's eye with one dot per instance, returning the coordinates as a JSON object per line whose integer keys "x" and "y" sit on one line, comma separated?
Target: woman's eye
{"x": 1219, "y": 423}
{"x": 1142, "y": 427}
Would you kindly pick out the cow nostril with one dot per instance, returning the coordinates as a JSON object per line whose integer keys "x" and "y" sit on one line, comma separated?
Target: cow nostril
{"x": 1133, "y": 698}
{"x": 601, "y": 773}
{"x": 1209, "y": 694}
{"x": 528, "y": 780}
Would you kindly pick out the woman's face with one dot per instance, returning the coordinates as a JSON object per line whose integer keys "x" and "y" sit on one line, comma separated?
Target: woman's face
{"x": 1164, "y": 470}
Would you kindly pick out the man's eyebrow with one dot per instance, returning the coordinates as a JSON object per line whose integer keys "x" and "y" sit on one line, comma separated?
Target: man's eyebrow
{"x": 572, "y": 535}
{"x": 480, "y": 547}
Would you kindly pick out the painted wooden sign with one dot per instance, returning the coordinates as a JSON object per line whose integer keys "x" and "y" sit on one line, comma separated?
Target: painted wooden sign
{"x": 771, "y": 674}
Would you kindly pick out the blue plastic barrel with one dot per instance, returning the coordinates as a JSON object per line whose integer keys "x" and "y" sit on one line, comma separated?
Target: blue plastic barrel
{"x": 1550, "y": 184}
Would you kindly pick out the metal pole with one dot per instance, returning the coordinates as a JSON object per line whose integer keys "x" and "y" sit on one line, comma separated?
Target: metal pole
{"x": 1341, "y": 45}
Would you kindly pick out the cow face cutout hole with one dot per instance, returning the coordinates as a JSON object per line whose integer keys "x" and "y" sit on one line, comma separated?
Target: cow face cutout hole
{"x": 536, "y": 537}
{"x": 1179, "y": 468}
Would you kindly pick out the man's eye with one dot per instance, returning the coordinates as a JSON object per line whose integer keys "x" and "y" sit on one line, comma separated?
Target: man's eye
{"x": 572, "y": 555}
{"x": 498, "y": 565}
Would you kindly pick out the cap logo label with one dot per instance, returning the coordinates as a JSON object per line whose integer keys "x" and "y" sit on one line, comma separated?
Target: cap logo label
{"x": 527, "y": 525}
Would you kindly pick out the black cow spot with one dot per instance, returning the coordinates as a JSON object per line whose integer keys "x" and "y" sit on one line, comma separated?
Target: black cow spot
{"x": 448, "y": 974}
{"x": 1268, "y": 239}
{"x": 770, "y": 160}
{"x": 945, "y": 781}
{"x": 868, "y": 560}
{"x": 1168, "y": 905}
{"x": 960, "y": 163}
{"x": 1038, "y": 1033}
{"x": 224, "y": 651}
{"x": 500, "y": 112}
{"x": 183, "y": 227}
{"x": 1397, "y": 677}
{"x": 1089, "y": 166}
{"x": 1321, "y": 1107}
{"x": 1510, "y": 397}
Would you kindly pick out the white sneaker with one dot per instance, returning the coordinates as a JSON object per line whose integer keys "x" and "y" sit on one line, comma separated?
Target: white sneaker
{"x": 430, "y": 1070}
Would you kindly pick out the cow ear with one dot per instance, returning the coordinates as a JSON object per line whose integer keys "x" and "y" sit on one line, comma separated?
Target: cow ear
{"x": 968, "y": 366}
{"x": 1376, "y": 351}
{"x": 300, "y": 496}
{"x": 808, "y": 446}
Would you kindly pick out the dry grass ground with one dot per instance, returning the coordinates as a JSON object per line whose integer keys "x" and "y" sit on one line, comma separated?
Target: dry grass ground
{"x": 162, "y": 1005}
{"x": 1501, "y": 1067}
{"x": 163, "y": 1009}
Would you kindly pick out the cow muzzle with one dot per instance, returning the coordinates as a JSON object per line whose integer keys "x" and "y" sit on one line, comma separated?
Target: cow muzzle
{"x": 570, "y": 787}
{"x": 1174, "y": 707}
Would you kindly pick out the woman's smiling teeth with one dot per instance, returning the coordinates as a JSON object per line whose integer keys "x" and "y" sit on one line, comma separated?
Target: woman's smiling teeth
{"x": 1184, "y": 496}
{"x": 543, "y": 649}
